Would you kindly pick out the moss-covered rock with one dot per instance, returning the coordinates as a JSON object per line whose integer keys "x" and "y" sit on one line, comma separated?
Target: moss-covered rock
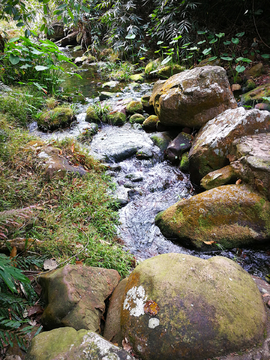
{"x": 76, "y": 296}
{"x": 184, "y": 163}
{"x": 150, "y": 123}
{"x": 91, "y": 115}
{"x": 152, "y": 66}
{"x": 136, "y": 119}
{"x": 69, "y": 344}
{"x": 178, "y": 146}
{"x": 137, "y": 77}
{"x": 161, "y": 139}
{"x": 59, "y": 117}
{"x": 256, "y": 95}
{"x": 134, "y": 107}
{"x": 229, "y": 215}
{"x": 223, "y": 176}
{"x": 193, "y": 97}
{"x": 116, "y": 118}
{"x": 170, "y": 70}
{"x": 177, "y": 306}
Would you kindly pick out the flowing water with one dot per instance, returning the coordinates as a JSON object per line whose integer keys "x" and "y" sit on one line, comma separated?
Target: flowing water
{"x": 146, "y": 185}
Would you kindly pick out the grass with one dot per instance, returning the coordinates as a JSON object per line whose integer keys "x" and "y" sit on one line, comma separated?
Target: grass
{"x": 73, "y": 218}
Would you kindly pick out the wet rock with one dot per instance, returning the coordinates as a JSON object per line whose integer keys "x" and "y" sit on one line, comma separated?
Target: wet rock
{"x": 146, "y": 105}
{"x": 184, "y": 163}
{"x": 212, "y": 143}
{"x": 229, "y": 215}
{"x": 179, "y": 306}
{"x": 136, "y": 119}
{"x": 135, "y": 177}
{"x": 134, "y": 107}
{"x": 105, "y": 95}
{"x": 117, "y": 146}
{"x": 121, "y": 196}
{"x": 178, "y": 146}
{"x": 144, "y": 153}
{"x": 67, "y": 343}
{"x": 59, "y": 117}
{"x": 256, "y": 95}
{"x": 116, "y": 118}
{"x": 112, "y": 331}
{"x": 252, "y": 161}
{"x": 223, "y": 176}
{"x": 110, "y": 84}
{"x": 193, "y": 97}
{"x": 150, "y": 123}
{"x": 161, "y": 139}
{"x": 75, "y": 296}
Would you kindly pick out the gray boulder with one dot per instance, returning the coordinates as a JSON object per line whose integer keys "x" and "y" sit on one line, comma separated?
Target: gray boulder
{"x": 212, "y": 143}
{"x": 252, "y": 161}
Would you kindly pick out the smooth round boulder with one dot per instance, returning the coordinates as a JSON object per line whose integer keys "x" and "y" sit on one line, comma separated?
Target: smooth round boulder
{"x": 177, "y": 306}
{"x": 228, "y": 216}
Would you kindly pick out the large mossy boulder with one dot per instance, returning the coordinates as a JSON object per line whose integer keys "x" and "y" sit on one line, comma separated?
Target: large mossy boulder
{"x": 252, "y": 161}
{"x": 177, "y": 306}
{"x": 212, "y": 144}
{"x": 69, "y": 344}
{"x": 193, "y": 97}
{"x": 59, "y": 117}
{"x": 75, "y": 296}
{"x": 228, "y": 216}
{"x": 116, "y": 118}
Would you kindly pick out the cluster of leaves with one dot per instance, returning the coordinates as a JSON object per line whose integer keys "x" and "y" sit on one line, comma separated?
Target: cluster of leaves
{"x": 26, "y": 61}
{"x": 13, "y": 324}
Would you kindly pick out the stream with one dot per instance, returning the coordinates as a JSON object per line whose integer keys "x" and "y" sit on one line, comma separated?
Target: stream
{"x": 144, "y": 185}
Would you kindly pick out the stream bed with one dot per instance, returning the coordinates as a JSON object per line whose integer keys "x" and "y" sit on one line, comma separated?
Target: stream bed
{"x": 144, "y": 185}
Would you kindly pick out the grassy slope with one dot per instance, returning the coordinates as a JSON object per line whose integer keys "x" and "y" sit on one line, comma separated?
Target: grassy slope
{"x": 74, "y": 217}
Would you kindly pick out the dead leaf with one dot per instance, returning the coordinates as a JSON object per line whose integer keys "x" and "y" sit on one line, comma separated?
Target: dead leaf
{"x": 126, "y": 345}
{"x": 238, "y": 182}
{"x": 209, "y": 242}
{"x": 13, "y": 252}
{"x": 151, "y": 308}
{"x": 72, "y": 148}
{"x": 264, "y": 295}
{"x": 35, "y": 309}
{"x": 50, "y": 264}
{"x": 80, "y": 263}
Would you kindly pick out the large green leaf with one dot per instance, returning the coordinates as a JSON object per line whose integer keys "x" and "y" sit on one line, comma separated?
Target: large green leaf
{"x": 14, "y": 59}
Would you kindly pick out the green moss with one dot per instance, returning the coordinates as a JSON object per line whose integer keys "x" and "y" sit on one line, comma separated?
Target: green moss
{"x": 59, "y": 117}
{"x": 92, "y": 115}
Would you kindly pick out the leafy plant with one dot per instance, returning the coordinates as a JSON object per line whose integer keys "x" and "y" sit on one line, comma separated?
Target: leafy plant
{"x": 28, "y": 62}
{"x": 12, "y": 304}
